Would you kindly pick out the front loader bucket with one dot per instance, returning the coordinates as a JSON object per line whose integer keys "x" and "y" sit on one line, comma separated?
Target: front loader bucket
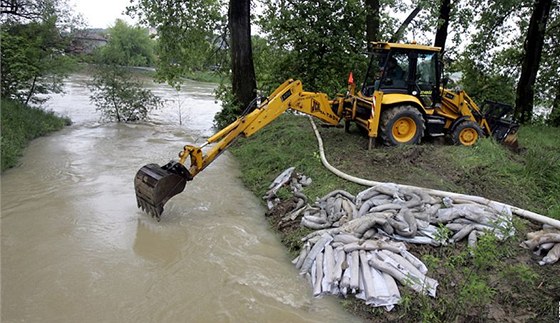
{"x": 155, "y": 185}
{"x": 505, "y": 132}
{"x": 504, "y": 128}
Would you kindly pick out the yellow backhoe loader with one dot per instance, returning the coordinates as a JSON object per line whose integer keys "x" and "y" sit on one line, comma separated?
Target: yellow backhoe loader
{"x": 400, "y": 101}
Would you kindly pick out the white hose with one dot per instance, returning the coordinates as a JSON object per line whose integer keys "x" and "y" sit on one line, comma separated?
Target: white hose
{"x": 481, "y": 200}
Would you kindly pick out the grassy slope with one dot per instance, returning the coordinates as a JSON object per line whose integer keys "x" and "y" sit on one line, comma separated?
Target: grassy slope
{"x": 502, "y": 280}
{"x": 21, "y": 124}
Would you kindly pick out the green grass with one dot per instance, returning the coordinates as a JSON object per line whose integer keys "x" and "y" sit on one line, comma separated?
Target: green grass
{"x": 20, "y": 125}
{"x": 530, "y": 179}
{"x": 284, "y": 144}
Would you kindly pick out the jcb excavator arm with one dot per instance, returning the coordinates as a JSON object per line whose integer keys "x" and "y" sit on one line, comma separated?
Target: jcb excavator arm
{"x": 155, "y": 185}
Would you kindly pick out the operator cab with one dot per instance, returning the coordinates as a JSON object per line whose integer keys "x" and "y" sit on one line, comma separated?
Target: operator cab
{"x": 405, "y": 69}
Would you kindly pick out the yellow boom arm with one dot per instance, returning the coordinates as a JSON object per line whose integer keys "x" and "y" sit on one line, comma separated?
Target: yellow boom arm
{"x": 289, "y": 95}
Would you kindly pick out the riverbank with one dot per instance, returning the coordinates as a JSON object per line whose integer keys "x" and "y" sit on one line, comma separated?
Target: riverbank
{"x": 502, "y": 281}
{"x": 20, "y": 125}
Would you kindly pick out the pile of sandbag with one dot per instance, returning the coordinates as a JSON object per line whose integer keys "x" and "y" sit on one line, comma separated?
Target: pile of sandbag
{"x": 339, "y": 263}
{"x": 358, "y": 243}
{"x": 406, "y": 215}
{"x": 544, "y": 242}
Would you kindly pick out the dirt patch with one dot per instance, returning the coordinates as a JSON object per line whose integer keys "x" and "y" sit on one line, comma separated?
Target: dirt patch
{"x": 276, "y": 216}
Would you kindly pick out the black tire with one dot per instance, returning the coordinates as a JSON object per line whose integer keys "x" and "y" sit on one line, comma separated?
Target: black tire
{"x": 402, "y": 125}
{"x": 467, "y": 133}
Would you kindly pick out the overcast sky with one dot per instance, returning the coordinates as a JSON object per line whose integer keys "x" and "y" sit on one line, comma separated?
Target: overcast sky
{"x": 101, "y": 13}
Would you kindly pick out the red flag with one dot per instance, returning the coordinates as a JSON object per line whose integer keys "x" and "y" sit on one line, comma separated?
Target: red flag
{"x": 350, "y": 78}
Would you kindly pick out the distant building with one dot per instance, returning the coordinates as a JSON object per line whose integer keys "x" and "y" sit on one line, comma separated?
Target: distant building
{"x": 87, "y": 40}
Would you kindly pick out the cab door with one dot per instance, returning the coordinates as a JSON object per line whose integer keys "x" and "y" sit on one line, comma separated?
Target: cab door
{"x": 426, "y": 78}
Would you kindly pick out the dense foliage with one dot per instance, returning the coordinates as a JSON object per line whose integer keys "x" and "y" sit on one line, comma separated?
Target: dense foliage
{"x": 127, "y": 46}
{"x": 319, "y": 42}
{"x": 33, "y": 50}
{"x": 116, "y": 91}
{"x": 188, "y": 34}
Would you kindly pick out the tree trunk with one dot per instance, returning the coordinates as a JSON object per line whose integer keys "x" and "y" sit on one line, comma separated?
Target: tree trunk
{"x": 443, "y": 24}
{"x": 531, "y": 61}
{"x": 31, "y": 90}
{"x": 243, "y": 79}
{"x": 372, "y": 20}
{"x": 398, "y": 34}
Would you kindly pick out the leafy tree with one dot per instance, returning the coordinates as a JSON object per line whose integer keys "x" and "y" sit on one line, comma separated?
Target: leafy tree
{"x": 483, "y": 83}
{"x": 30, "y": 10}
{"x": 318, "y": 42}
{"x": 190, "y": 35}
{"x": 120, "y": 97}
{"x": 33, "y": 59}
{"x": 128, "y": 46}
{"x": 500, "y": 29}
{"x": 115, "y": 91}
{"x": 186, "y": 33}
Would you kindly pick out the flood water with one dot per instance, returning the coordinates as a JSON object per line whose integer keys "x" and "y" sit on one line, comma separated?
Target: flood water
{"x": 75, "y": 248}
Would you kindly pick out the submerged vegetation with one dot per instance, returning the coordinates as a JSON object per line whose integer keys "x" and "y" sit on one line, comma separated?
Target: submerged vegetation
{"x": 499, "y": 280}
{"x": 20, "y": 125}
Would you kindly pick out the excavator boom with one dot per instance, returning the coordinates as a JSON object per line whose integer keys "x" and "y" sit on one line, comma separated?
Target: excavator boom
{"x": 155, "y": 185}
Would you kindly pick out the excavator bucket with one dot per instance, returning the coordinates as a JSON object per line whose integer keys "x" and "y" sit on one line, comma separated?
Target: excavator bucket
{"x": 155, "y": 185}
{"x": 504, "y": 128}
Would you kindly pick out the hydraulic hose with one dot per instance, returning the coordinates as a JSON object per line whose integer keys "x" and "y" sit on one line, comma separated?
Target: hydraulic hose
{"x": 477, "y": 199}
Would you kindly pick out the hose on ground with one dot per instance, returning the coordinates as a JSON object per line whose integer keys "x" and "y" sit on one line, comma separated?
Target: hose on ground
{"x": 481, "y": 200}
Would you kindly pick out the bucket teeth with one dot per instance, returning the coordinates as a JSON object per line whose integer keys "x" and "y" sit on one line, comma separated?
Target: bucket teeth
{"x": 154, "y": 211}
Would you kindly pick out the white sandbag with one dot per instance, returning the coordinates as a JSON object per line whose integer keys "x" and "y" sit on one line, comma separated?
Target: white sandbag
{"x": 354, "y": 271}
{"x": 303, "y": 254}
{"x": 317, "y": 287}
{"x": 328, "y": 267}
{"x": 345, "y": 238}
{"x": 416, "y": 240}
{"x": 315, "y": 250}
{"x": 366, "y": 277}
{"x": 552, "y": 256}
{"x": 369, "y": 245}
{"x": 340, "y": 262}
{"x": 421, "y": 283}
{"x": 544, "y": 238}
{"x": 402, "y": 261}
{"x": 415, "y": 261}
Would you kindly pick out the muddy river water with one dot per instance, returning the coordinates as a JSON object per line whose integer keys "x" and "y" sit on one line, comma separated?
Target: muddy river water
{"x": 75, "y": 248}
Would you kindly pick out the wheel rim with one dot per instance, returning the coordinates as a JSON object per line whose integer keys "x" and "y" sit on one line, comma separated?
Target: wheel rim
{"x": 404, "y": 129}
{"x": 468, "y": 136}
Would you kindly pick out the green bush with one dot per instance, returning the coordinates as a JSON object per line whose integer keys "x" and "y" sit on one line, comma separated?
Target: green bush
{"x": 21, "y": 124}
{"x": 120, "y": 97}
